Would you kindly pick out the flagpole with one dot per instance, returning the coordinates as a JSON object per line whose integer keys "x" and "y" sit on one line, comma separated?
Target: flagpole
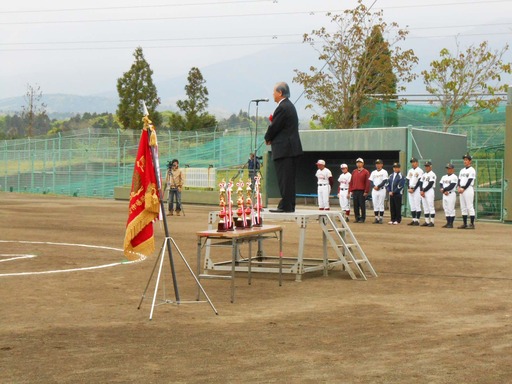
{"x": 156, "y": 167}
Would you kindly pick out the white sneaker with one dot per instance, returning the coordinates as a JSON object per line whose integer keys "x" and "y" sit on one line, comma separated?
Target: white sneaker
{"x": 395, "y": 223}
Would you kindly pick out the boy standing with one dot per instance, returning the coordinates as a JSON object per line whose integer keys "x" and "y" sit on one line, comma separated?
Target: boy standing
{"x": 324, "y": 177}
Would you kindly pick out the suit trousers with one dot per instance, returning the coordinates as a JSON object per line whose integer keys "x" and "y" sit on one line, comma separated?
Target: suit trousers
{"x": 359, "y": 205}
{"x": 285, "y": 170}
{"x": 395, "y": 207}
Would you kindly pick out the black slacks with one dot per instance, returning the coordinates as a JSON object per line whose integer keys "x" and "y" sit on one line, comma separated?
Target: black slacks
{"x": 286, "y": 168}
{"x": 395, "y": 207}
{"x": 359, "y": 205}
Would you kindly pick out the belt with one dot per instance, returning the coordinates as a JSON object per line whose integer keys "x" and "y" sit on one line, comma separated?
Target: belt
{"x": 323, "y": 184}
{"x": 343, "y": 189}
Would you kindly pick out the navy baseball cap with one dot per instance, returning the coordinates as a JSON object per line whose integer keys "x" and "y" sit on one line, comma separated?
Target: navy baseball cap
{"x": 413, "y": 160}
{"x": 396, "y": 165}
{"x": 428, "y": 164}
{"x": 450, "y": 165}
{"x": 467, "y": 156}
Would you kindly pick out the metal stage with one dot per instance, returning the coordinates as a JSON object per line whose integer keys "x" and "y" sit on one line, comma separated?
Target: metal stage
{"x": 335, "y": 233}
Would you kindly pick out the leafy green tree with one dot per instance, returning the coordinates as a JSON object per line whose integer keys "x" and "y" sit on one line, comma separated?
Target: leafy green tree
{"x": 342, "y": 86}
{"x": 194, "y": 107}
{"x": 381, "y": 82}
{"x": 136, "y": 86}
{"x": 466, "y": 82}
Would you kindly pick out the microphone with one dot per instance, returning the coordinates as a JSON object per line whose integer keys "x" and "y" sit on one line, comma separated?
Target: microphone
{"x": 259, "y": 100}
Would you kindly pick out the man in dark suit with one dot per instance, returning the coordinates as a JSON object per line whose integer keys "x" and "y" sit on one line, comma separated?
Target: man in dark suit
{"x": 396, "y": 187}
{"x": 283, "y": 136}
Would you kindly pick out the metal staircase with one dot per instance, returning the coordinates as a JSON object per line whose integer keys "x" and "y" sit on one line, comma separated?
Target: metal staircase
{"x": 340, "y": 236}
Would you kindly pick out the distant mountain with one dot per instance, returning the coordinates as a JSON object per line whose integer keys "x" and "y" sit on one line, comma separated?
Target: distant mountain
{"x": 232, "y": 84}
{"x": 58, "y": 105}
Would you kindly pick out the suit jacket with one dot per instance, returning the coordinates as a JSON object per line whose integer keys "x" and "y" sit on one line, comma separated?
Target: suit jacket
{"x": 283, "y": 131}
{"x": 396, "y": 183}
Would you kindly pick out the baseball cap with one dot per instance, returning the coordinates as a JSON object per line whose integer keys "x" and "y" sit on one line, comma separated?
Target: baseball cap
{"x": 359, "y": 160}
{"x": 396, "y": 165}
{"x": 343, "y": 165}
{"x": 413, "y": 160}
{"x": 378, "y": 161}
{"x": 450, "y": 165}
{"x": 320, "y": 162}
{"x": 467, "y": 156}
{"x": 428, "y": 164}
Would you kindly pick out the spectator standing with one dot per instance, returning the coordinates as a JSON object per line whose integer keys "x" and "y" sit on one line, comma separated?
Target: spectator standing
{"x": 253, "y": 165}
{"x": 359, "y": 187}
{"x": 396, "y": 187}
{"x": 174, "y": 180}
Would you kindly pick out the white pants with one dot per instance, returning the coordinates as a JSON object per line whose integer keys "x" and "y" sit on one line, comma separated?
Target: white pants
{"x": 344, "y": 200}
{"x": 449, "y": 204}
{"x": 428, "y": 202}
{"x": 378, "y": 198}
{"x": 466, "y": 202}
{"x": 414, "y": 200}
{"x": 323, "y": 196}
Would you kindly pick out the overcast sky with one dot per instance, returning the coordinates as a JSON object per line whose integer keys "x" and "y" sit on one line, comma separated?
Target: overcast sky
{"x": 82, "y": 47}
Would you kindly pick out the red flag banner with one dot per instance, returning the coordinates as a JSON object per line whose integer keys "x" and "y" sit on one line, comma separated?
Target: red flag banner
{"x": 144, "y": 205}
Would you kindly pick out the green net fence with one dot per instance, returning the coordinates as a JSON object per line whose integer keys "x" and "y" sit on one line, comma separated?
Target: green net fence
{"x": 91, "y": 162}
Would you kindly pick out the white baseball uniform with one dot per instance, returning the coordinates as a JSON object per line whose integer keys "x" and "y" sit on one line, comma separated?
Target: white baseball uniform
{"x": 466, "y": 198}
{"x": 427, "y": 201}
{"x": 324, "y": 188}
{"x": 449, "y": 197}
{"x": 343, "y": 195}
{"x": 379, "y": 179}
{"x": 413, "y": 178}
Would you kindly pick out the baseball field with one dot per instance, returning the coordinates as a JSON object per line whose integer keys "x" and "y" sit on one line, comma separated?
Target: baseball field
{"x": 440, "y": 310}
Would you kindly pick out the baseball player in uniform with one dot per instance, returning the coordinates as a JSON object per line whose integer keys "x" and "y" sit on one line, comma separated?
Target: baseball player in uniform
{"x": 467, "y": 176}
{"x": 325, "y": 182}
{"x": 379, "y": 178}
{"x": 427, "y": 193}
{"x": 413, "y": 183}
{"x": 448, "y": 184}
{"x": 343, "y": 194}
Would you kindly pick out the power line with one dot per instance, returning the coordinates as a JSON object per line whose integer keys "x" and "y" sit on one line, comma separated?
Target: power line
{"x": 266, "y": 14}
{"x": 135, "y": 7}
{"x": 274, "y": 37}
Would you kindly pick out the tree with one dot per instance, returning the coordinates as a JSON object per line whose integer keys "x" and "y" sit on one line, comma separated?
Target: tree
{"x": 376, "y": 65}
{"x": 342, "y": 90}
{"x": 193, "y": 108}
{"x": 35, "y": 109}
{"x": 466, "y": 82}
{"x": 136, "y": 86}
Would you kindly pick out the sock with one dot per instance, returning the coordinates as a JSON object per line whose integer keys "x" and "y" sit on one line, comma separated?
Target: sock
{"x": 465, "y": 219}
{"x": 472, "y": 220}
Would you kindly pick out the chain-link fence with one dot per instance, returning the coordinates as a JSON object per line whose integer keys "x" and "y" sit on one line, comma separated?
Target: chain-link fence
{"x": 91, "y": 162}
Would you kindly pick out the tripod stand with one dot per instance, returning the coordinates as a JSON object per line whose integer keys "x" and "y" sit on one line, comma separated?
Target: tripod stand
{"x": 166, "y": 245}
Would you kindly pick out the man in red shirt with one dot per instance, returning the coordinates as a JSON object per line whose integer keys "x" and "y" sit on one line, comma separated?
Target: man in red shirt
{"x": 359, "y": 187}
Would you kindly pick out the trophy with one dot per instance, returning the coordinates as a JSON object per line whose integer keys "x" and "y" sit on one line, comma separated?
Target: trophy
{"x": 221, "y": 226}
{"x": 229, "y": 210}
{"x": 241, "y": 221}
{"x": 248, "y": 205}
{"x": 257, "y": 222}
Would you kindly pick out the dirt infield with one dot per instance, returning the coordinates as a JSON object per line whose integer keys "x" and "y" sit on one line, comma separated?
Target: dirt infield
{"x": 439, "y": 312}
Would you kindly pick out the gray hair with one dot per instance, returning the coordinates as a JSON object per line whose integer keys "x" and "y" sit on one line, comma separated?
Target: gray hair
{"x": 283, "y": 88}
